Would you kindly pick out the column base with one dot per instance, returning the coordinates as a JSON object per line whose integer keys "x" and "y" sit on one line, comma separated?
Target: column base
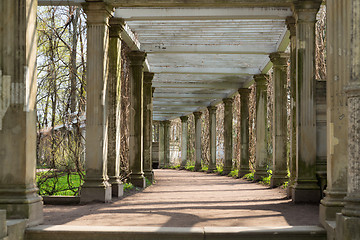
{"x": 138, "y": 180}
{"x": 260, "y": 174}
{"x": 243, "y": 172}
{"x": 22, "y": 204}
{"x": 197, "y": 167}
{"x": 306, "y": 192}
{"x": 226, "y": 171}
{"x": 332, "y": 204}
{"x": 149, "y": 175}
{"x": 117, "y": 187}
{"x": 95, "y": 190}
{"x": 347, "y": 228}
{"x": 278, "y": 180}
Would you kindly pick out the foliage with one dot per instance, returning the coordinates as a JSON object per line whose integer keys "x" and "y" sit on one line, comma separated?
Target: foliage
{"x": 128, "y": 186}
{"x": 249, "y": 176}
{"x": 190, "y": 168}
{"x": 266, "y": 180}
{"x": 175, "y": 167}
{"x": 234, "y": 173}
{"x": 205, "y": 168}
{"x": 219, "y": 169}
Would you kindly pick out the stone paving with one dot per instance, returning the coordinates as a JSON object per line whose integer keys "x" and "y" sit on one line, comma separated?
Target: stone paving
{"x": 191, "y": 199}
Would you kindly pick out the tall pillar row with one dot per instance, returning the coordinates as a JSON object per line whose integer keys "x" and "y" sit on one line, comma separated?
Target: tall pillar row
{"x": 348, "y": 222}
{"x": 306, "y": 188}
{"x": 114, "y": 107}
{"x": 212, "y": 136}
{"x": 338, "y": 75}
{"x": 18, "y": 191}
{"x": 279, "y": 168}
{"x": 244, "y": 132}
{"x": 147, "y": 108}
{"x": 228, "y": 140}
{"x": 261, "y": 161}
{"x": 291, "y": 25}
{"x": 96, "y": 186}
{"x": 197, "y": 116}
{"x": 136, "y": 147}
{"x": 184, "y": 141}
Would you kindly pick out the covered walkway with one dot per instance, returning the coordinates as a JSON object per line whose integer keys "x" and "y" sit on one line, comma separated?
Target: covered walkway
{"x": 191, "y": 199}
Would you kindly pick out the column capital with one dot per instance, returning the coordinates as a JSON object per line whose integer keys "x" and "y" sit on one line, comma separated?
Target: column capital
{"x": 184, "y": 118}
{"x": 261, "y": 79}
{"x": 291, "y": 25}
{"x": 137, "y": 58}
{"x": 212, "y": 109}
{"x": 279, "y": 59}
{"x": 244, "y": 92}
{"x": 116, "y": 27}
{"x": 228, "y": 101}
{"x": 97, "y": 12}
{"x": 306, "y": 10}
{"x": 197, "y": 115}
{"x": 148, "y": 77}
{"x": 166, "y": 123}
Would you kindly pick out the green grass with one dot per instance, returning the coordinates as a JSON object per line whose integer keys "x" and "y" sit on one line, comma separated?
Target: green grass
{"x": 58, "y": 184}
{"x": 219, "y": 170}
{"x": 249, "y": 176}
{"x": 190, "y": 168}
{"x": 128, "y": 186}
{"x": 266, "y": 180}
{"x": 205, "y": 168}
{"x": 175, "y": 167}
{"x": 234, "y": 173}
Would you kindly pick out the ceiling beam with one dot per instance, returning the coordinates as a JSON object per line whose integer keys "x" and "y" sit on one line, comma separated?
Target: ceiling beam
{"x": 204, "y": 70}
{"x": 198, "y": 85}
{"x": 197, "y": 96}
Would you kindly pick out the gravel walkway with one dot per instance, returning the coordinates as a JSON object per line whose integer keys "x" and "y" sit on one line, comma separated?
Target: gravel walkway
{"x": 188, "y": 199}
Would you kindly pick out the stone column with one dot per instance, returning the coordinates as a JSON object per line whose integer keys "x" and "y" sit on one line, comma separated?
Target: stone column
{"x": 279, "y": 171}
{"x": 306, "y": 188}
{"x": 228, "y": 140}
{"x": 290, "y": 22}
{"x": 166, "y": 143}
{"x": 212, "y": 136}
{"x": 244, "y": 132}
{"x": 197, "y": 116}
{"x": 114, "y": 107}
{"x": 18, "y": 191}
{"x": 347, "y": 223}
{"x": 161, "y": 145}
{"x": 136, "y": 146}
{"x": 261, "y": 161}
{"x": 184, "y": 141}
{"x": 147, "y": 107}
{"x": 96, "y": 186}
{"x": 338, "y": 75}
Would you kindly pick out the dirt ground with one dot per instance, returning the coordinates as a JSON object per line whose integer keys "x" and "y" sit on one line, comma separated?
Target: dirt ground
{"x": 190, "y": 199}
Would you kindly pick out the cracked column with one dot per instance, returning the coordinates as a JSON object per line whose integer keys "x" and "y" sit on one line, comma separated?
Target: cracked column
{"x": 184, "y": 141}
{"x": 161, "y": 145}
{"x": 228, "y": 140}
{"x": 136, "y": 147}
{"x": 244, "y": 132}
{"x": 306, "y": 188}
{"x": 279, "y": 171}
{"x": 212, "y": 136}
{"x": 148, "y": 171}
{"x": 96, "y": 186}
{"x": 290, "y": 22}
{"x": 338, "y": 75}
{"x": 348, "y": 222}
{"x": 197, "y": 116}
{"x": 261, "y": 161}
{"x": 18, "y": 191}
{"x": 114, "y": 107}
{"x": 166, "y": 143}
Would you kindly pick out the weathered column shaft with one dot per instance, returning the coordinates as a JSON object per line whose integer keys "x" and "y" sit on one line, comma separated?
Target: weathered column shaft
{"x": 184, "y": 141}
{"x": 338, "y": 74}
{"x": 197, "y": 116}
{"x": 291, "y": 25}
{"x": 347, "y": 223}
{"x": 161, "y": 145}
{"x": 147, "y": 107}
{"x": 261, "y": 161}
{"x": 136, "y": 146}
{"x": 18, "y": 191}
{"x": 212, "y": 136}
{"x": 166, "y": 143}
{"x": 306, "y": 188}
{"x": 279, "y": 171}
{"x": 114, "y": 107}
{"x": 228, "y": 140}
{"x": 96, "y": 186}
{"x": 244, "y": 132}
